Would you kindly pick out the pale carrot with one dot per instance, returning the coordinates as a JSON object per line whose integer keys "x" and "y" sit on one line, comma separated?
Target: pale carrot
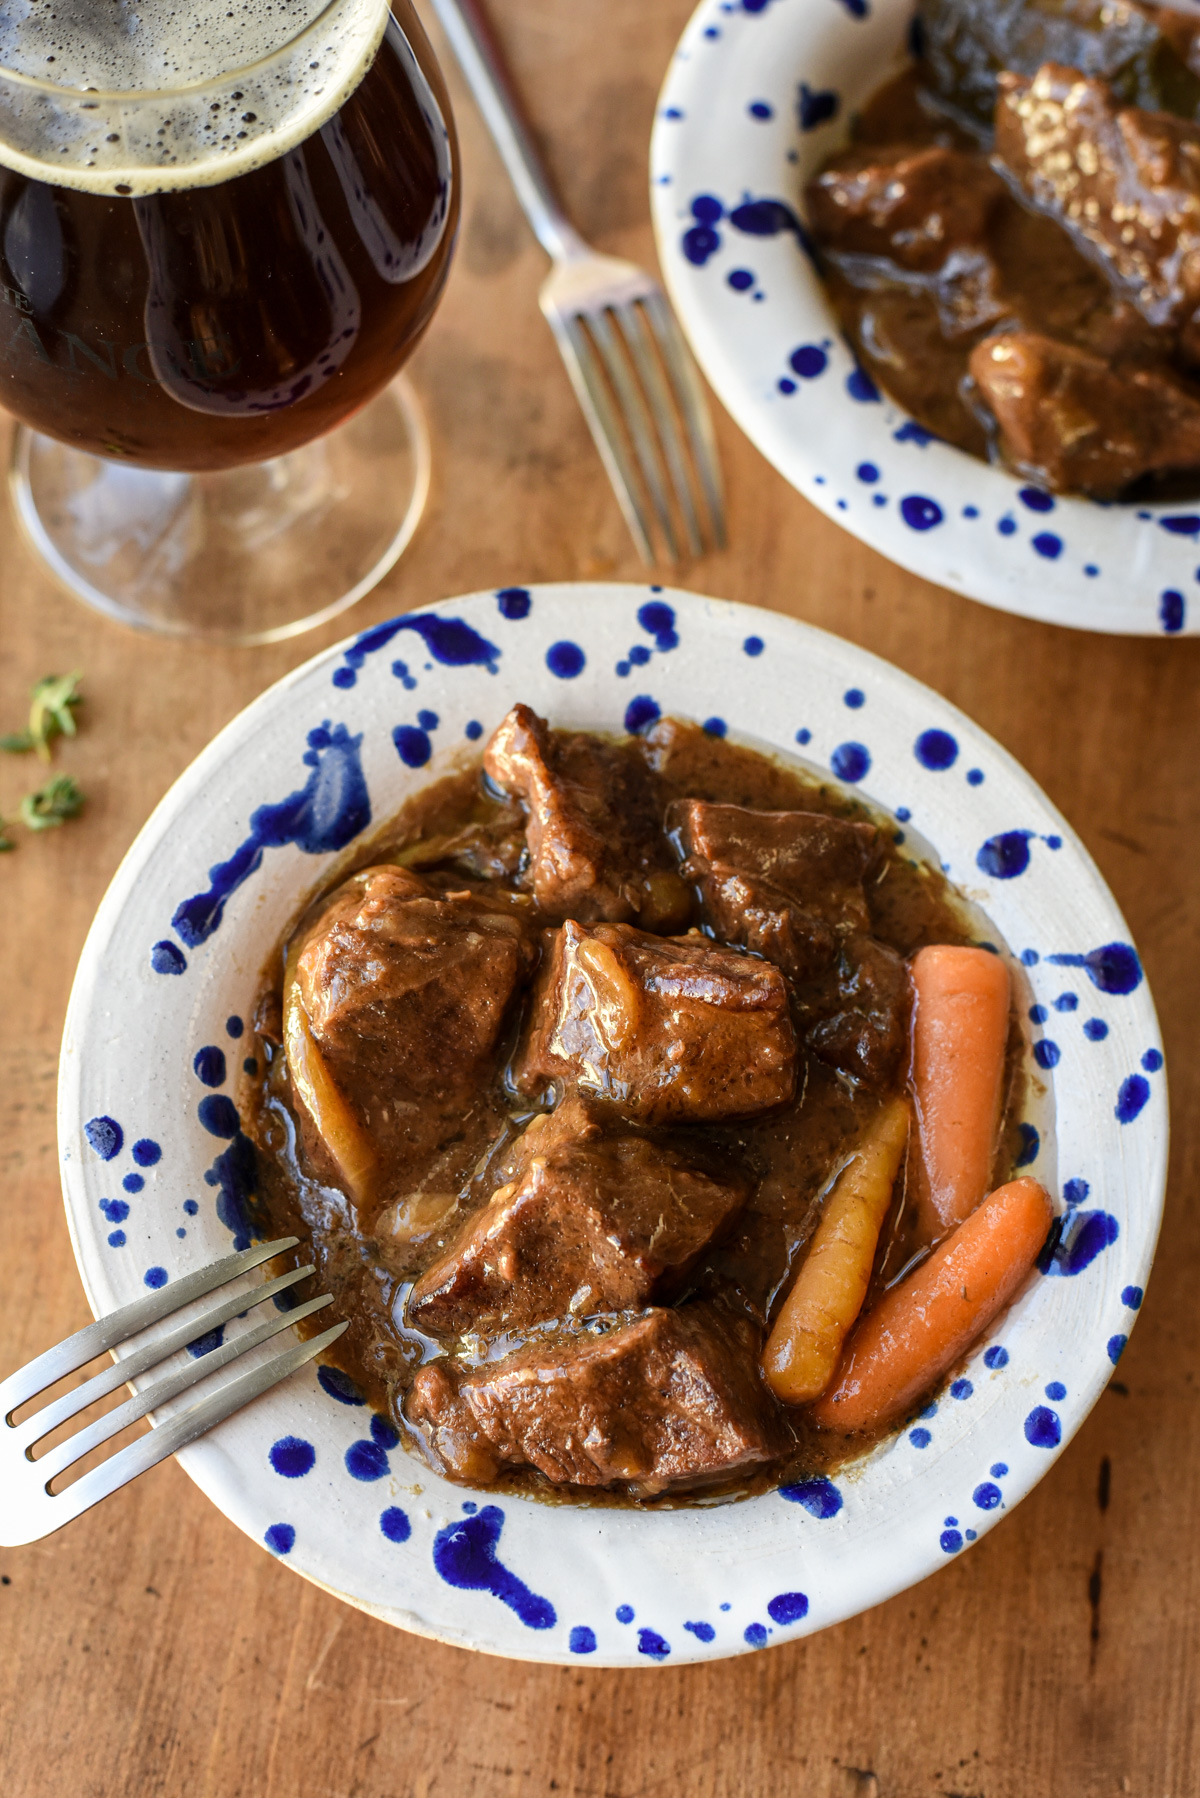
{"x": 818, "y": 1314}
{"x": 347, "y": 1143}
{"x": 919, "y": 1329}
{"x": 959, "y": 1036}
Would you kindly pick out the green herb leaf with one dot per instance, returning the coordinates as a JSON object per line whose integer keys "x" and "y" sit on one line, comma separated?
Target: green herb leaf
{"x": 52, "y": 712}
{"x": 52, "y": 804}
{"x": 18, "y": 742}
{"x": 6, "y": 841}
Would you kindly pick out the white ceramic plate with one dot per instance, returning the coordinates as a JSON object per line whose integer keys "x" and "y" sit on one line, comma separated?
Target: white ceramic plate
{"x": 758, "y": 94}
{"x": 156, "y": 1032}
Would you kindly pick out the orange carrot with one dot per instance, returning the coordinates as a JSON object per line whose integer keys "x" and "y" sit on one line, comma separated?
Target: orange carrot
{"x": 959, "y": 1035}
{"x": 919, "y": 1329}
{"x": 805, "y": 1345}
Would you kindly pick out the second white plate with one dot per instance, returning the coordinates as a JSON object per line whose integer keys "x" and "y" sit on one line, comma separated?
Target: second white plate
{"x": 759, "y": 92}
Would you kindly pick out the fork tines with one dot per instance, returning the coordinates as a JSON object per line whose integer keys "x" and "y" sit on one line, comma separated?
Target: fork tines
{"x": 28, "y": 1507}
{"x": 640, "y": 393}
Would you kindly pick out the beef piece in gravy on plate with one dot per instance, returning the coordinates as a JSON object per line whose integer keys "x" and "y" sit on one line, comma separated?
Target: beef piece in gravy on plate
{"x": 670, "y": 1398}
{"x": 593, "y": 1222}
{"x": 658, "y": 1028}
{"x": 784, "y": 884}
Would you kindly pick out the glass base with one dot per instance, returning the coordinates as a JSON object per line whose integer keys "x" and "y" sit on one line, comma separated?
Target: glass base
{"x": 249, "y": 555}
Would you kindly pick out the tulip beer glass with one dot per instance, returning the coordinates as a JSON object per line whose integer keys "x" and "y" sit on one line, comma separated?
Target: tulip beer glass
{"x": 222, "y": 231}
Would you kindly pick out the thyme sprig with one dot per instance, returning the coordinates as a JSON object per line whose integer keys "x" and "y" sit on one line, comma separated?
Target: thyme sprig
{"x": 52, "y": 804}
{"x": 53, "y": 703}
{"x": 51, "y": 714}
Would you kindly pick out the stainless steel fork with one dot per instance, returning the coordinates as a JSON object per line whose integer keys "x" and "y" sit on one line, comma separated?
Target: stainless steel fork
{"x": 625, "y": 354}
{"x": 28, "y": 1508}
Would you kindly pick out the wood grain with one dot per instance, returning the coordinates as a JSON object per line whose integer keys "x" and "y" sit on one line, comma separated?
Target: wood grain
{"x": 151, "y": 1648}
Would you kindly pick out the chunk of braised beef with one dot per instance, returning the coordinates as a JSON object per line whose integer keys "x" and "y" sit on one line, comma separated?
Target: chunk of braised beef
{"x": 743, "y": 909}
{"x": 444, "y": 1423}
{"x": 783, "y": 884}
{"x": 1123, "y": 182}
{"x": 1079, "y": 421}
{"x": 672, "y": 1398}
{"x": 595, "y": 850}
{"x": 659, "y": 1029}
{"x": 820, "y": 862}
{"x": 860, "y": 1017}
{"x": 914, "y": 206}
{"x": 591, "y": 1223}
{"x": 407, "y": 990}
{"x": 1146, "y": 51}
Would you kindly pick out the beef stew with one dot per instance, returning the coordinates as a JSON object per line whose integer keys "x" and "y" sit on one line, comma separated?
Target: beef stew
{"x": 558, "y": 1085}
{"x": 1012, "y": 239}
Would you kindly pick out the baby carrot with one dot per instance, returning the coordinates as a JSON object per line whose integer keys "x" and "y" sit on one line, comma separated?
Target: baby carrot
{"x": 959, "y": 1035}
{"x": 803, "y": 1348}
{"x": 919, "y": 1329}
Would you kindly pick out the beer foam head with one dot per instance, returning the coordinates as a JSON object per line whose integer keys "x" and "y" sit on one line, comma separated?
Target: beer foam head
{"x": 140, "y": 96}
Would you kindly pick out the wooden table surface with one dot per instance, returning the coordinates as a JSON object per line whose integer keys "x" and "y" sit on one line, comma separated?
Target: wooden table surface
{"x": 151, "y": 1648}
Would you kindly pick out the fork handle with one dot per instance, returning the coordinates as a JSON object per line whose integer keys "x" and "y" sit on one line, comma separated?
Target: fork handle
{"x": 479, "y": 57}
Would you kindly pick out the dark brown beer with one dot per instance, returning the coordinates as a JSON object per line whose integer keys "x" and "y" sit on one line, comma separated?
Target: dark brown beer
{"x": 216, "y": 325}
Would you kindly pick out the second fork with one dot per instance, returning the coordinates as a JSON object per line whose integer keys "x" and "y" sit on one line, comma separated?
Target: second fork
{"x": 618, "y": 337}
